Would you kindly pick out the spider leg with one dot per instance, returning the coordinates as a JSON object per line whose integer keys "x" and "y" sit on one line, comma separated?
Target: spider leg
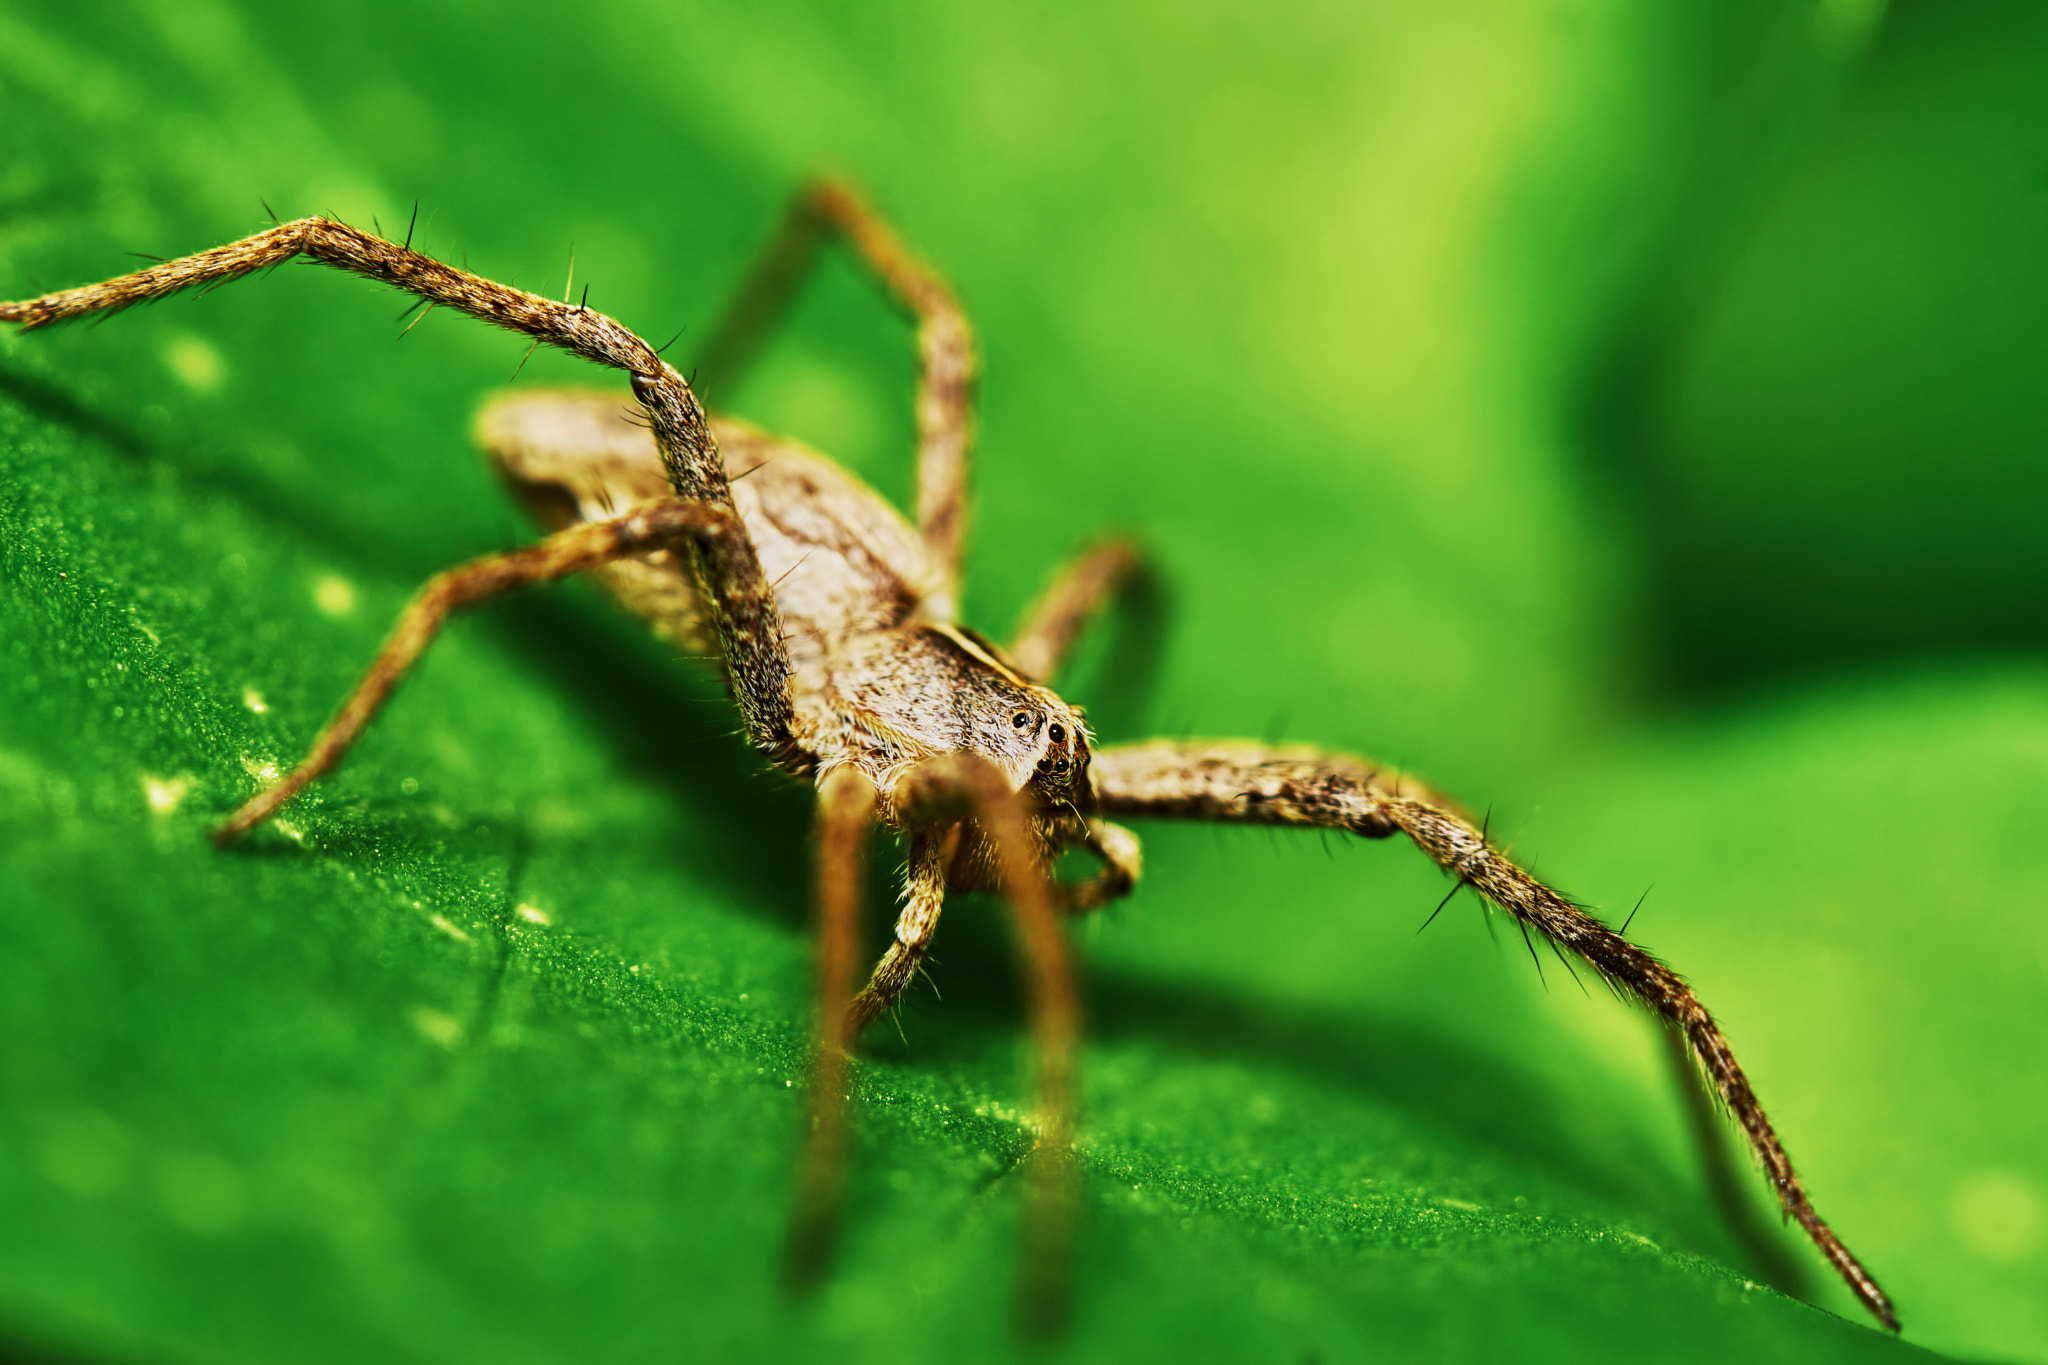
{"x": 846, "y": 807}
{"x": 1081, "y": 588}
{"x": 663, "y": 525}
{"x": 749, "y": 625}
{"x": 1123, "y": 862}
{"x": 945, "y": 344}
{"x": 1248, "y": 783}
{"x": 735, "y": 341}
{"x": 924, "y": 895}
{"x": 962, "y": 786}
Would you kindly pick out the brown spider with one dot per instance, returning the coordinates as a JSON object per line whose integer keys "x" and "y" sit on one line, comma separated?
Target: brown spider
{"x": 834, "y": 620}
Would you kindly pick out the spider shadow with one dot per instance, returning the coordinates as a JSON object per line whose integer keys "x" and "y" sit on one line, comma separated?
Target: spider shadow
{"x": 309, "y": 521}
{"x": 1392, "y": 1061}
{"x": 667, "y": 720}
{"x": 660, "y": 725}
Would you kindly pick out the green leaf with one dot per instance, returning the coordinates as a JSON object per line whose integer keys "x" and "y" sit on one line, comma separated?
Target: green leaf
{"x": 495, "y": 1047}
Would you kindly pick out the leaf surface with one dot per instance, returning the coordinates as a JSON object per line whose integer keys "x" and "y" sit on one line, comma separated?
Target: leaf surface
{"x": 497, "y": 1051}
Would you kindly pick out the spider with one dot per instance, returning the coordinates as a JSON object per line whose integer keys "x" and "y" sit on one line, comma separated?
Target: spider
{"x": 835, "y": 623}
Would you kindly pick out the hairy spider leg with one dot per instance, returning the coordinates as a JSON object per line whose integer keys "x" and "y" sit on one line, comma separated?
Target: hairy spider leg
{"x": 924, "y": 896}
{"x": 723, "y": 358}
{"x": 846, "y": 810}
{"x": 1778, "y": 1262}
{"x": 933, "y": 799}
{"x": 1047, "y": 630}
{"x": 668, "y": 525}
{"x": 1079, "y": 589}
{"x": 749, "y": 626}
{"x": 945, "y": 343}
{"x": 964, "y": 786}
{"x": 1123, "y": 862}
{"x": 932, "y": 850}
{"x": 1245, "y": 783}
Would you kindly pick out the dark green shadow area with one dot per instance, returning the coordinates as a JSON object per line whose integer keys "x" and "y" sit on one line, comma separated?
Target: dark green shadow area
{"x": 1830, "y": 419}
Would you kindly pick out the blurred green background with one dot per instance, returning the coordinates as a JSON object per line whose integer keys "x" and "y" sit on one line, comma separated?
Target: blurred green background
{"x": 1624, "y": 414}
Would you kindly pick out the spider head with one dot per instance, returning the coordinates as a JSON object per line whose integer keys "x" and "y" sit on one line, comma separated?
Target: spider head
{"x": 1055, "y": 744}
{"x": 965, "y": 694}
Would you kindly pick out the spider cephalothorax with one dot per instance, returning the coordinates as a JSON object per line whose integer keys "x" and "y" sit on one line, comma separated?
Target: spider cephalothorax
{"x": 834, "y": 621}
{"x": 894, "y": 698}
{"x": 1038, "y": 739}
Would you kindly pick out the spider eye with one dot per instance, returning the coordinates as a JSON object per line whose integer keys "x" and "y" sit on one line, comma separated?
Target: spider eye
{"x": 1060, "y": 766}
{"x": 1021, "y": 719}
{"x": 1059, "y": 733}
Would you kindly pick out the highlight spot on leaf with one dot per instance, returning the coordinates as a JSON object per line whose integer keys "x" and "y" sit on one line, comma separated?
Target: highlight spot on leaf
{"x": 1997, "y": 1215}
{"x": 334, "y": 595}
{"x": 437, "y": 1027}
{"x": 164, "y": 796}
{"x": 448, "y": 927}
{"x": 195, "y": 362}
